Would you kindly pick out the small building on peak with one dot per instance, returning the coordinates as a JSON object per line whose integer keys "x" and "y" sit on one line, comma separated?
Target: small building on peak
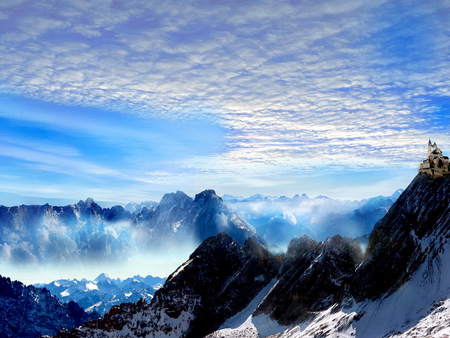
{"x": 436, "y": 164}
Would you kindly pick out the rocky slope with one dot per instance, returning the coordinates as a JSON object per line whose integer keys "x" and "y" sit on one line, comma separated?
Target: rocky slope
{"x": 399, "y": 287}
{"x": 314, "y": 277}
{"x": 28, "y": 312}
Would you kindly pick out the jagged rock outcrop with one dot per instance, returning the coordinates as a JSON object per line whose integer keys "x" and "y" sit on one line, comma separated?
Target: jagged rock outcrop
{"x": 220, "y": 279}
{"x": 314, "y": 277}
{"x": 28, "y": 312}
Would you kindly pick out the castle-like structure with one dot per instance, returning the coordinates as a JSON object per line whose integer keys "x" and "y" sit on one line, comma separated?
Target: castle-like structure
{"x": 436, "y": 164}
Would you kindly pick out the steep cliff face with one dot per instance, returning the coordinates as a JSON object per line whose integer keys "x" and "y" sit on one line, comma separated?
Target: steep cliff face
{"x": 28, "y": 312}
{"x": 394, "y": 251}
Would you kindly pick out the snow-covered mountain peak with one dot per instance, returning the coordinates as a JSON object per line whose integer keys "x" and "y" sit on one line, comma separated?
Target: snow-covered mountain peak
{"x": 104, "y": 292}
{"x": 102, "y": 277}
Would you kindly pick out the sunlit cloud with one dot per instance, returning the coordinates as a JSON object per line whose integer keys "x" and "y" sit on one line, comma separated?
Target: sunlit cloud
{"x": 290, "y": 85}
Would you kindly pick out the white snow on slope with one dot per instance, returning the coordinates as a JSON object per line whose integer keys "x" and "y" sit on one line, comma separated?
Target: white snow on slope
{"x": 414, "y": 301}
{"x": 243, "y": 324}
{"x": 92, "y": 308}
{"x": 436, "y": 324}
{"x": 329, "y": 323}
{"x": 181, "y": 268}
{"x": 65, "y": 293}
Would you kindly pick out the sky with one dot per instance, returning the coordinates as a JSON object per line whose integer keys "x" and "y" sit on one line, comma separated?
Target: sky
{"x": 128, "y": 100}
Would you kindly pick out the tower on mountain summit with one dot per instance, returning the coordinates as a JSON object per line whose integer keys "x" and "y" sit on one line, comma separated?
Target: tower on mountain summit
{"x": 436, "y": 164}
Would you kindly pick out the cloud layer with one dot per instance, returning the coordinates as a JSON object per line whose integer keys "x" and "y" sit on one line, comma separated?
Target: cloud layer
{"x": 296, "y": 85}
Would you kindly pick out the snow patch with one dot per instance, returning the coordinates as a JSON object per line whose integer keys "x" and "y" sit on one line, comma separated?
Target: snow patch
{"x": 91, "y": 286}
{"x": 181, "y": 268}
{"x": 433, "y": 325}
{"x": 92, "y": 307}
{"x": 65, "y": 293}
{"x": 336, "y": 323}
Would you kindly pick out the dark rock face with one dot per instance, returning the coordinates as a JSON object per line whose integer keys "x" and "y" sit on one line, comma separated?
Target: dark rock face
{"x": 220, "y": 279}
{"x": 29, "y": 312}
{"x": 394, "y": 253}
{"x": 313, "y": 277}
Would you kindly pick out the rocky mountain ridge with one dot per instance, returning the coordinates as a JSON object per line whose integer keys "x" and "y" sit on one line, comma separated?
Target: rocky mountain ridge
{"x": 327, "y": 289}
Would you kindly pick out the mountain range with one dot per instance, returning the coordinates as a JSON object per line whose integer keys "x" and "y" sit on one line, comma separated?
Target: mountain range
{"x": 279, "y": 219}
{"x": 398, "y": 287}
{"x": 87, "y": 233}
{"x": 103, "y": 292}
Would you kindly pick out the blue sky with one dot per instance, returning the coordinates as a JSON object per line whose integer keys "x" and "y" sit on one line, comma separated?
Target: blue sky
{"x": 127, "y": 100}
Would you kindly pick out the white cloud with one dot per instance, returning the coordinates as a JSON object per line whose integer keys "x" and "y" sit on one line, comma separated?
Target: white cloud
{"x": 286, "y": 79}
